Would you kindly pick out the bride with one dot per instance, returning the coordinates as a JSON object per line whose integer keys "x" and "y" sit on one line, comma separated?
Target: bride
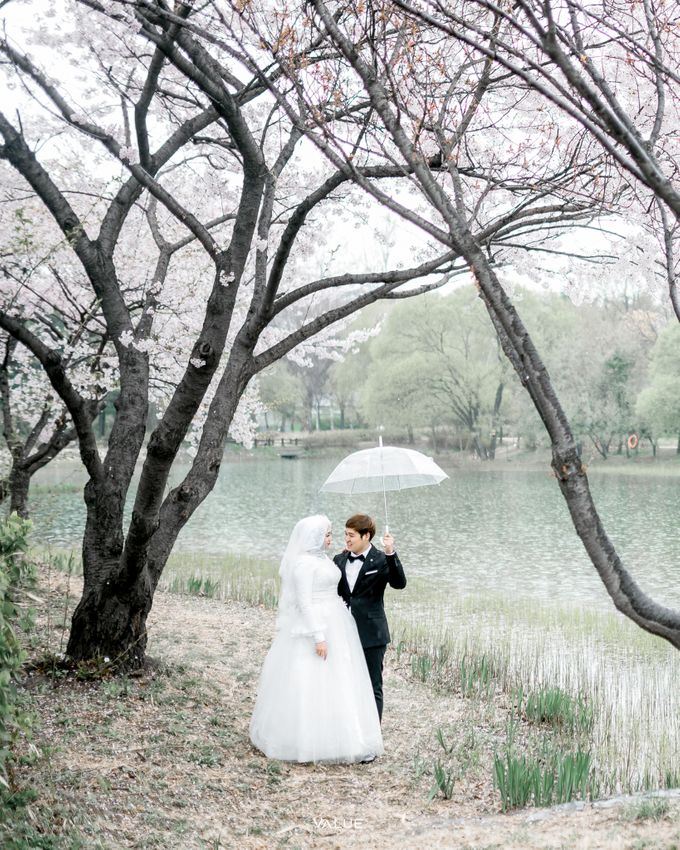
{"x": 314, "y": 701}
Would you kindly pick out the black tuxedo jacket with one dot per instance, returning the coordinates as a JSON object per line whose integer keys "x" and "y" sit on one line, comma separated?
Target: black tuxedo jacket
{"x": 366, "y": 600}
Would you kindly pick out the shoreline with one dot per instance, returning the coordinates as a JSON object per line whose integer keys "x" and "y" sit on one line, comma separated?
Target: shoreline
{"x": 538, "y": 458}
{"x": 163, "y": 759}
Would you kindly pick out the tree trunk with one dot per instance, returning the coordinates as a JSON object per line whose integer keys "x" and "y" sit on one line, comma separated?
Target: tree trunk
{"x": 110, "y": 619}
{"x": 110, "y": 624}
{"x": 19, "y": 482}
{"x": 121, "y": 576}
{"x": 600, "y": 446}
{"x": 567, "y": 465}
{"x": 480, "y": 451}
{"x": 677, "y": 448}
{"x": 309, "y": 413}
{"x": 495, "y": 419}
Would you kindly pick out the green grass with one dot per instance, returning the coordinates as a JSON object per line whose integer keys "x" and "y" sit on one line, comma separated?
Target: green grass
{"x": 558, "y": 778}
{"x": 649, "y": 809}
{"x": 555, "y": 707}
{"x": 224, "y": 576}
{"x": 237, "y": 577}
{"x": 476, "y": 673}
{"x": 22, "y": 829}
{"x": 56, "y": 489}
{"x": 444, "y": 781}
{"x": 570, "y": 673}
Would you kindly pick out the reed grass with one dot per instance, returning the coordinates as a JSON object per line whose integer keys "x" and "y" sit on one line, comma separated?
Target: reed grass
{"x": 223, "y": 576}
{"x": 444, "y": 781}
{"x": 559, "y": 778}
{"x": 555, "y": 707}
{"x": 588, "y": 680}
{"x": 595, "y": 679}
{"x": 56, "y": 488}
{"x": 237, "y": 577}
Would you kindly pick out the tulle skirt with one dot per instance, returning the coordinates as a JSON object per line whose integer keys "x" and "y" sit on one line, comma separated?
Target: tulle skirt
{"x": 311, "y": 710}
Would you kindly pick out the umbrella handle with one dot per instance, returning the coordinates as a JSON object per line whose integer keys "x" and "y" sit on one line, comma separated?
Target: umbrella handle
{"x": 380, "y": 443}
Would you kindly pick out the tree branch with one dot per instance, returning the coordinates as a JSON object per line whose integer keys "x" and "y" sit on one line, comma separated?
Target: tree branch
{"x": 80, "y": 410}
{"x": 395, "y": 276}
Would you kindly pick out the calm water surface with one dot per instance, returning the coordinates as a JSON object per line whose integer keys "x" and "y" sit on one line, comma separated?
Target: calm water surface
{"x": 497, "y": 528}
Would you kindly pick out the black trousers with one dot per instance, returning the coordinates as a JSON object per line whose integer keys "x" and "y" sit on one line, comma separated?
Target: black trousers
{"x": 374, "y": 662}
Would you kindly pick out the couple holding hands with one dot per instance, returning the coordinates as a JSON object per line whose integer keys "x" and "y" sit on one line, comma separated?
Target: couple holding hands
{"x": 319, "y": 697}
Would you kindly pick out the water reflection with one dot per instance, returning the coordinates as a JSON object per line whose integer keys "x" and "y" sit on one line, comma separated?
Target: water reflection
{"x": 497, "y": 527}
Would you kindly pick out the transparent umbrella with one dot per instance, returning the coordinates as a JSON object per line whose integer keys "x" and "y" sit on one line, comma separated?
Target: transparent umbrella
{"x": 383, "y": 468}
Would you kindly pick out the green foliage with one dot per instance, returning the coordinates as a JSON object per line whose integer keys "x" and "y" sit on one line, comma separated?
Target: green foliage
{"x": 443, "y": 743}
{"x": 435, "y": 368}
{"x": 596, "y": 355}
{"x": 658, "y": 405}
{"x": 197, "y": 585}
{"x": 655, "y": 810}
{"x": 436, "y": 362}
{"x": 16, "y": 578}
{"x": 557, "y": 778}
{"x": 672, "y": 779}
{"x": 421, "y": 667}
{"x": 25, "y": 837}
{"x": 557, "y": 708}
{"x": 460, "y": 754}
{"x": 476, "y": 674}
{"x": 282, "y": 392}
{"x": 444, "y": 781}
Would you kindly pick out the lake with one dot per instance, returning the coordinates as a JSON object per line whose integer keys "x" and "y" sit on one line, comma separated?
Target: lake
{"x": 499, "y": 573}
{"x": 493, "y": 527}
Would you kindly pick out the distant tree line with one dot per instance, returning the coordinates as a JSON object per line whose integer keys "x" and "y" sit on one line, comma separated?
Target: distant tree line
{"x": 435, "y": 373}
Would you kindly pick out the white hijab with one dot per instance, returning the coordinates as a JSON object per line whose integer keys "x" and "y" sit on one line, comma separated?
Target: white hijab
{"x": 305, "y": 547}
{"x": 307, "y": 538}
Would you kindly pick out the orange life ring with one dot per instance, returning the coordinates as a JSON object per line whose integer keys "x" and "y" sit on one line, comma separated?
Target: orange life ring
{"x": 633, "y": 441}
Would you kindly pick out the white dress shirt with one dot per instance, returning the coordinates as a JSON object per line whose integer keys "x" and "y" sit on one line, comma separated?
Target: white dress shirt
{"x": 353, "y": 568}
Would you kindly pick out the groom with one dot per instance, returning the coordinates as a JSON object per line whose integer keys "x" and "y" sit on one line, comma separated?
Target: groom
{"x": 366, "y": 571}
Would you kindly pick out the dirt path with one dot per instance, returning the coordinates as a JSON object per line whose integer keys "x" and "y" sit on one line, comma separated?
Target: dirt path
{"x": 164, "y": 760}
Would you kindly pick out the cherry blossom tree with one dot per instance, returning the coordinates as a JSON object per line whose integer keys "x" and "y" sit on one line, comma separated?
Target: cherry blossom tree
{"x": 379, "y": 46}
{"x": 36, "y": 427}
{"x": 610, "y": 66}
{"x": 187, "y": 209}
{"x": 36, "y": 423}
{"x": 204, "y": 208}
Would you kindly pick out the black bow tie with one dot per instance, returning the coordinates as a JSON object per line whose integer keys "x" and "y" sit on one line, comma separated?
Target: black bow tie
{"x": 353, "y": 558}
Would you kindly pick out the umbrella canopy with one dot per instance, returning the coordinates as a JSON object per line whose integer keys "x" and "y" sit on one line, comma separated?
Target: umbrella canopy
{"x": 383, "y": 468}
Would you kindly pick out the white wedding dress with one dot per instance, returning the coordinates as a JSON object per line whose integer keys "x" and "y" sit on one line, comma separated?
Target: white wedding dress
{"x": 309, "y": 709}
